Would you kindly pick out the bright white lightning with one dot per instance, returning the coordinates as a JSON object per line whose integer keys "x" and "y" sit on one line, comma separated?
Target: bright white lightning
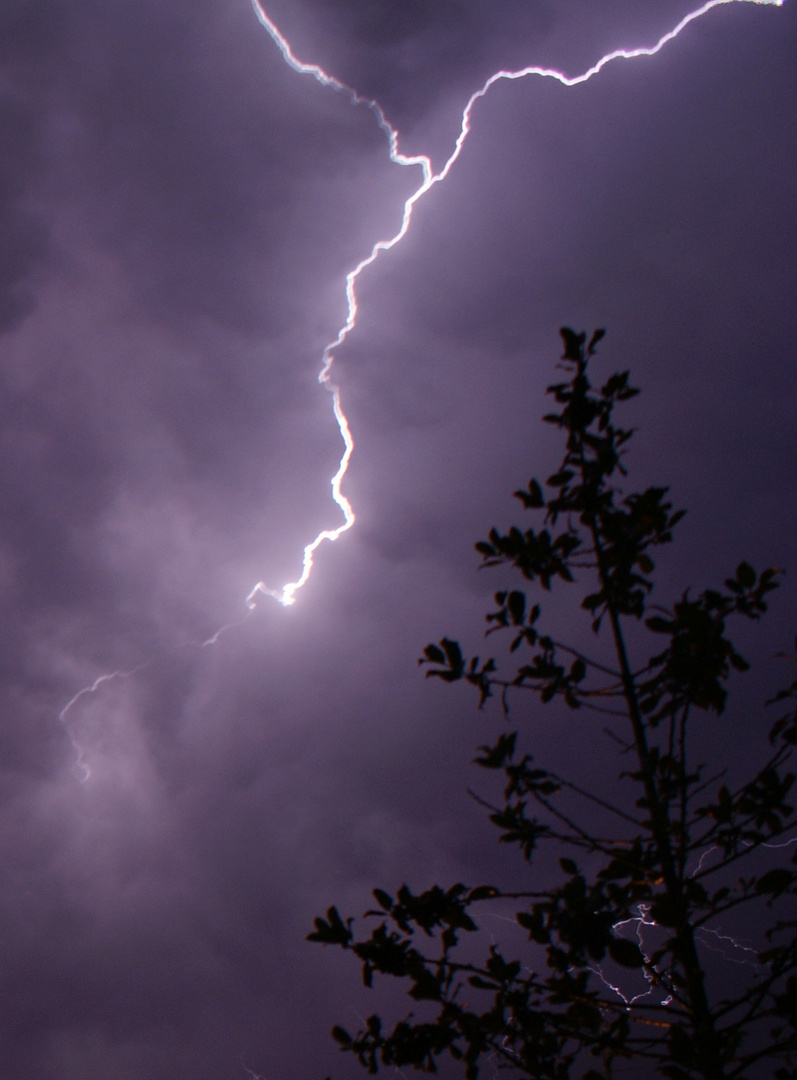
{"x": 287, "y": 594}
{"x": 650, "y": 974}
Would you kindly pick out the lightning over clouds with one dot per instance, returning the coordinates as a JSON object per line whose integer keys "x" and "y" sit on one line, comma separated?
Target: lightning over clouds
{"x": 287, "y": 594}
{"x": 207, "y": 208}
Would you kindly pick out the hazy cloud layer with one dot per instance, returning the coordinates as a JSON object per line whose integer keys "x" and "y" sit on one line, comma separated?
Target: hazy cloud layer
{"x": 178, "y": 210}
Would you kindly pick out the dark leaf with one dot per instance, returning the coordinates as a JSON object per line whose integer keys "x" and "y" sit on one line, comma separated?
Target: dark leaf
{"x": 573, "y": 343}
{"x": 626, "y": 953}
{"x": 593, "y": 341}
{"x": 383, "y": 899}
{"x": 745, "y": 575}
{"x": 776, "y": 881}
{"x": 433, "y": 655}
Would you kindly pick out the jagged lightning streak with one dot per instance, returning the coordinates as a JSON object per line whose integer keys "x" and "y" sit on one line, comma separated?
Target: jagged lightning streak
{"x": 729, "y": 948}
{"x": 81, "y": 764}
{"x": 651, "y": 974}
{"x": 287, "y": 594}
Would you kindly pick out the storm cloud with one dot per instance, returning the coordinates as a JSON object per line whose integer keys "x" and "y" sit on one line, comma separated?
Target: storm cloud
{"x": 178, "y": 210}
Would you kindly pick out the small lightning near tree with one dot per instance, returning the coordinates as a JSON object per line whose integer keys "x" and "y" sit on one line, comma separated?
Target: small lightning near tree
{"x": 286, "y": 595}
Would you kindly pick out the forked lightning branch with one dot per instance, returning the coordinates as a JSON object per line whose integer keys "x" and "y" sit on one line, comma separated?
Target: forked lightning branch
{"x": 287, "y": 593}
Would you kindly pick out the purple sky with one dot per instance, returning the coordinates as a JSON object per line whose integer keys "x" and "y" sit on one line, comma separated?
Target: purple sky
{"x": 178, "y": 211}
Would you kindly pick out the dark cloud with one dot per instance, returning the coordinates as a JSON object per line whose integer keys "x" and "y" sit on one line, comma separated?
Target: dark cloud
{"x": 23, "y": 236}
{"x": 179, "y": 209}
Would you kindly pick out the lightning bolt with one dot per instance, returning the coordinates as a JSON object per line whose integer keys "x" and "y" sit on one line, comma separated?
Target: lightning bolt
{"x": 287, "y": 594}
{"x": 81, "y": 764}
{"x": 252, "y": 1075}
{"x": 650, "y": 974}
{"x": 729, "y": 948}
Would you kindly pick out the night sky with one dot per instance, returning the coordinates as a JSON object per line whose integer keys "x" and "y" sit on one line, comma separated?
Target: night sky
{"x": 178, "y": 211}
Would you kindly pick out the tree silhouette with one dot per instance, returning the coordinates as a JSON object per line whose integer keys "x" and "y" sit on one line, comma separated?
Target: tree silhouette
{"x": 645, "y": 878}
